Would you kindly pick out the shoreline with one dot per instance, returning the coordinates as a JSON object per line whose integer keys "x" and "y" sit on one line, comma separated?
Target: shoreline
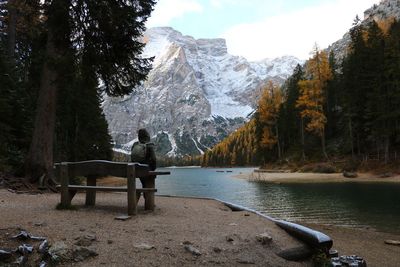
{"x": 297, "y": 177}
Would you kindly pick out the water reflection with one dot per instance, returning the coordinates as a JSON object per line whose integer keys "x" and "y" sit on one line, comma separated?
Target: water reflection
{"x": 348, "y": 204}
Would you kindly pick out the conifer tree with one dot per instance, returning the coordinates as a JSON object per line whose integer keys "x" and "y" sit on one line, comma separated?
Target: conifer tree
{"x": 110, "y": 31}
{"x": 268, "y": 110}
{"x": 311, "y": 99}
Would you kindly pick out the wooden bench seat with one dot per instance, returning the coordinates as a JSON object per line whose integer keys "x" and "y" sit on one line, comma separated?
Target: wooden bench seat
{"x": 93, "y": 169}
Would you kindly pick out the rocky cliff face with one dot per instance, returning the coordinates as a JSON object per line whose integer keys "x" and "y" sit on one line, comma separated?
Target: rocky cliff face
{"x": 195, "y": 95}
{"x": 386, "y": 10}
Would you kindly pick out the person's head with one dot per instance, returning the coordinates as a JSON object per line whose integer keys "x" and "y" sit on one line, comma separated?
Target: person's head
{"x": 143, "y": 136}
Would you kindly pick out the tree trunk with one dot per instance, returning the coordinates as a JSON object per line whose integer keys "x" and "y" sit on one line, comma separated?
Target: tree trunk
{"x": 40, "y": 157}
{"x": 323, "y": 144}
{"x": 303, "y": 155}
{"x": 386, "y": 149}
{"x": 11, "y": 30}
{"x": 278, "y": 142}
{"x": 351, "y": 138}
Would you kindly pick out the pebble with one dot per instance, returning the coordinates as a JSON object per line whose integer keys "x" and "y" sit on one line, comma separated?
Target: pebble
{"x": 245, "y": 261}
{"x": 217, "y": 249}
{"x": 144, "y": 246}
{"x": 229, "y": 238}
{"x": 122, "y": 217}
{"x": 264, "y": 238}
{"x": 392, "y": 242}
{"x": 192, "y": 250}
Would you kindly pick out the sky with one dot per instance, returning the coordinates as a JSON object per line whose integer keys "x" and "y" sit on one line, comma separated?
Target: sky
{"x": 258, "y": 29}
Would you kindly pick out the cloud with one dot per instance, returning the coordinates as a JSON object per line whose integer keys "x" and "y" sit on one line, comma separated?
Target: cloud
{"x": 167, "y": 10}
{"x": 296, "y": 32}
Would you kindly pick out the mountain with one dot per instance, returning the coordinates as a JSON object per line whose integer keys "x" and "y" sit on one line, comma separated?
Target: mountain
{"x": 195, "y": 95}
{"x": 385, "y": 11}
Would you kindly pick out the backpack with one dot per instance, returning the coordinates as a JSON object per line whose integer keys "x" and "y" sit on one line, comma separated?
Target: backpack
{"x": 138, "y": 152}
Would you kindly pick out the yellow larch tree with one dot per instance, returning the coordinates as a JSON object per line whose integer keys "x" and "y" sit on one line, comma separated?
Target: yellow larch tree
{"x": 312, "y": 96}
{"x": 268, "y": 109}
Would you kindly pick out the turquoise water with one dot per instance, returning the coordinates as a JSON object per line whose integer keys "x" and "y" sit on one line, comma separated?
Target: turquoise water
{"x": 375, "y": 206}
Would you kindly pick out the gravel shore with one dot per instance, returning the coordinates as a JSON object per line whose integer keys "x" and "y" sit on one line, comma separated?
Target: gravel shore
{"x": 297, "y": 177}
{"x": 165, "y": 237}
{"x": 174, "y": 233}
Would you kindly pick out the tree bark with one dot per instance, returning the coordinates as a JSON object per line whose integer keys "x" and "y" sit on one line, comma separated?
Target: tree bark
{"x": 40, "y": 157}
{"x": 351, "y": 138}
{"x": 11, "y": 30}
{"x": 323, "y": 144}
{"x": 303, "y": 154}
{"x": 278, "y": 142}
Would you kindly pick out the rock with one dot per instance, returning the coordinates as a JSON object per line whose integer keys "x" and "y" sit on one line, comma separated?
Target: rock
{"x": 353, "y": 261}
{"x": 187, "y": 243}
{"x": 44, "y": 247}
{"x": 247, "y": 214}
{"x": 85, "y": 240}
{"x": 110, "y": 241}
{"x": 233, "y": 224}
{"x": 392, "y": 242}
{"x": 59, "y": 251}
{"x": 22, "y": 235}
{"x": 246, "y": 261}
{"x": 333, "y": 253}
{"x": 296, "y": 254}
{"x": 229, "y": 238}
{"x": 192, "y": 250}
{"x": 25, "y": 249}
{"x": 4, "y": 255}
{"x": 38, "y": 224}
{"x": 144, "y": 246}
{"x": 82, "y": 253}
{"x": 217, "y": 249}
{"x": 350, "y": 174}
{"x": 37, "y": 238}
{"x": 21, "y": 261}
{"x": 264, "y": 238}
{"x": 122, "y": 217}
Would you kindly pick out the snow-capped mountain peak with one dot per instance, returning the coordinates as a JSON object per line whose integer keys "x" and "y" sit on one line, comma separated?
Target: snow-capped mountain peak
{"x": 196, "y": 94}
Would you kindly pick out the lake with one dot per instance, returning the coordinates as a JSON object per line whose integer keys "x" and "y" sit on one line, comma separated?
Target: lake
{"x": 375, "y": 206}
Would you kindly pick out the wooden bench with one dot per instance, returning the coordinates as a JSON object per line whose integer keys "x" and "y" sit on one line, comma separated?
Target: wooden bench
{"x": 94, "y": 169}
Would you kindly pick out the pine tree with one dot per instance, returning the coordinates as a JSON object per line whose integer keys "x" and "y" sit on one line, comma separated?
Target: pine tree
{"x": 110, "y": 32}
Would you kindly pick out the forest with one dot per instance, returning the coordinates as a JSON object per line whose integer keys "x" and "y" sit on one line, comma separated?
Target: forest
{"x": 57, "y": 59}
{"x": 328, "y": 108}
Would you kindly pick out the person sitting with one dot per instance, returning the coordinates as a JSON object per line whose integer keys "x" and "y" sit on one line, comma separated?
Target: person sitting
{"x": 143, "y": 152}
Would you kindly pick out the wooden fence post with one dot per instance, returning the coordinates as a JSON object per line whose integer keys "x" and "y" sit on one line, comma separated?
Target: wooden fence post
{"x": 131, "y": 176}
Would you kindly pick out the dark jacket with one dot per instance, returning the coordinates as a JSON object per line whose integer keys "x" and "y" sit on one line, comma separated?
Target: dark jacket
{"x": 150, "y": 159}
